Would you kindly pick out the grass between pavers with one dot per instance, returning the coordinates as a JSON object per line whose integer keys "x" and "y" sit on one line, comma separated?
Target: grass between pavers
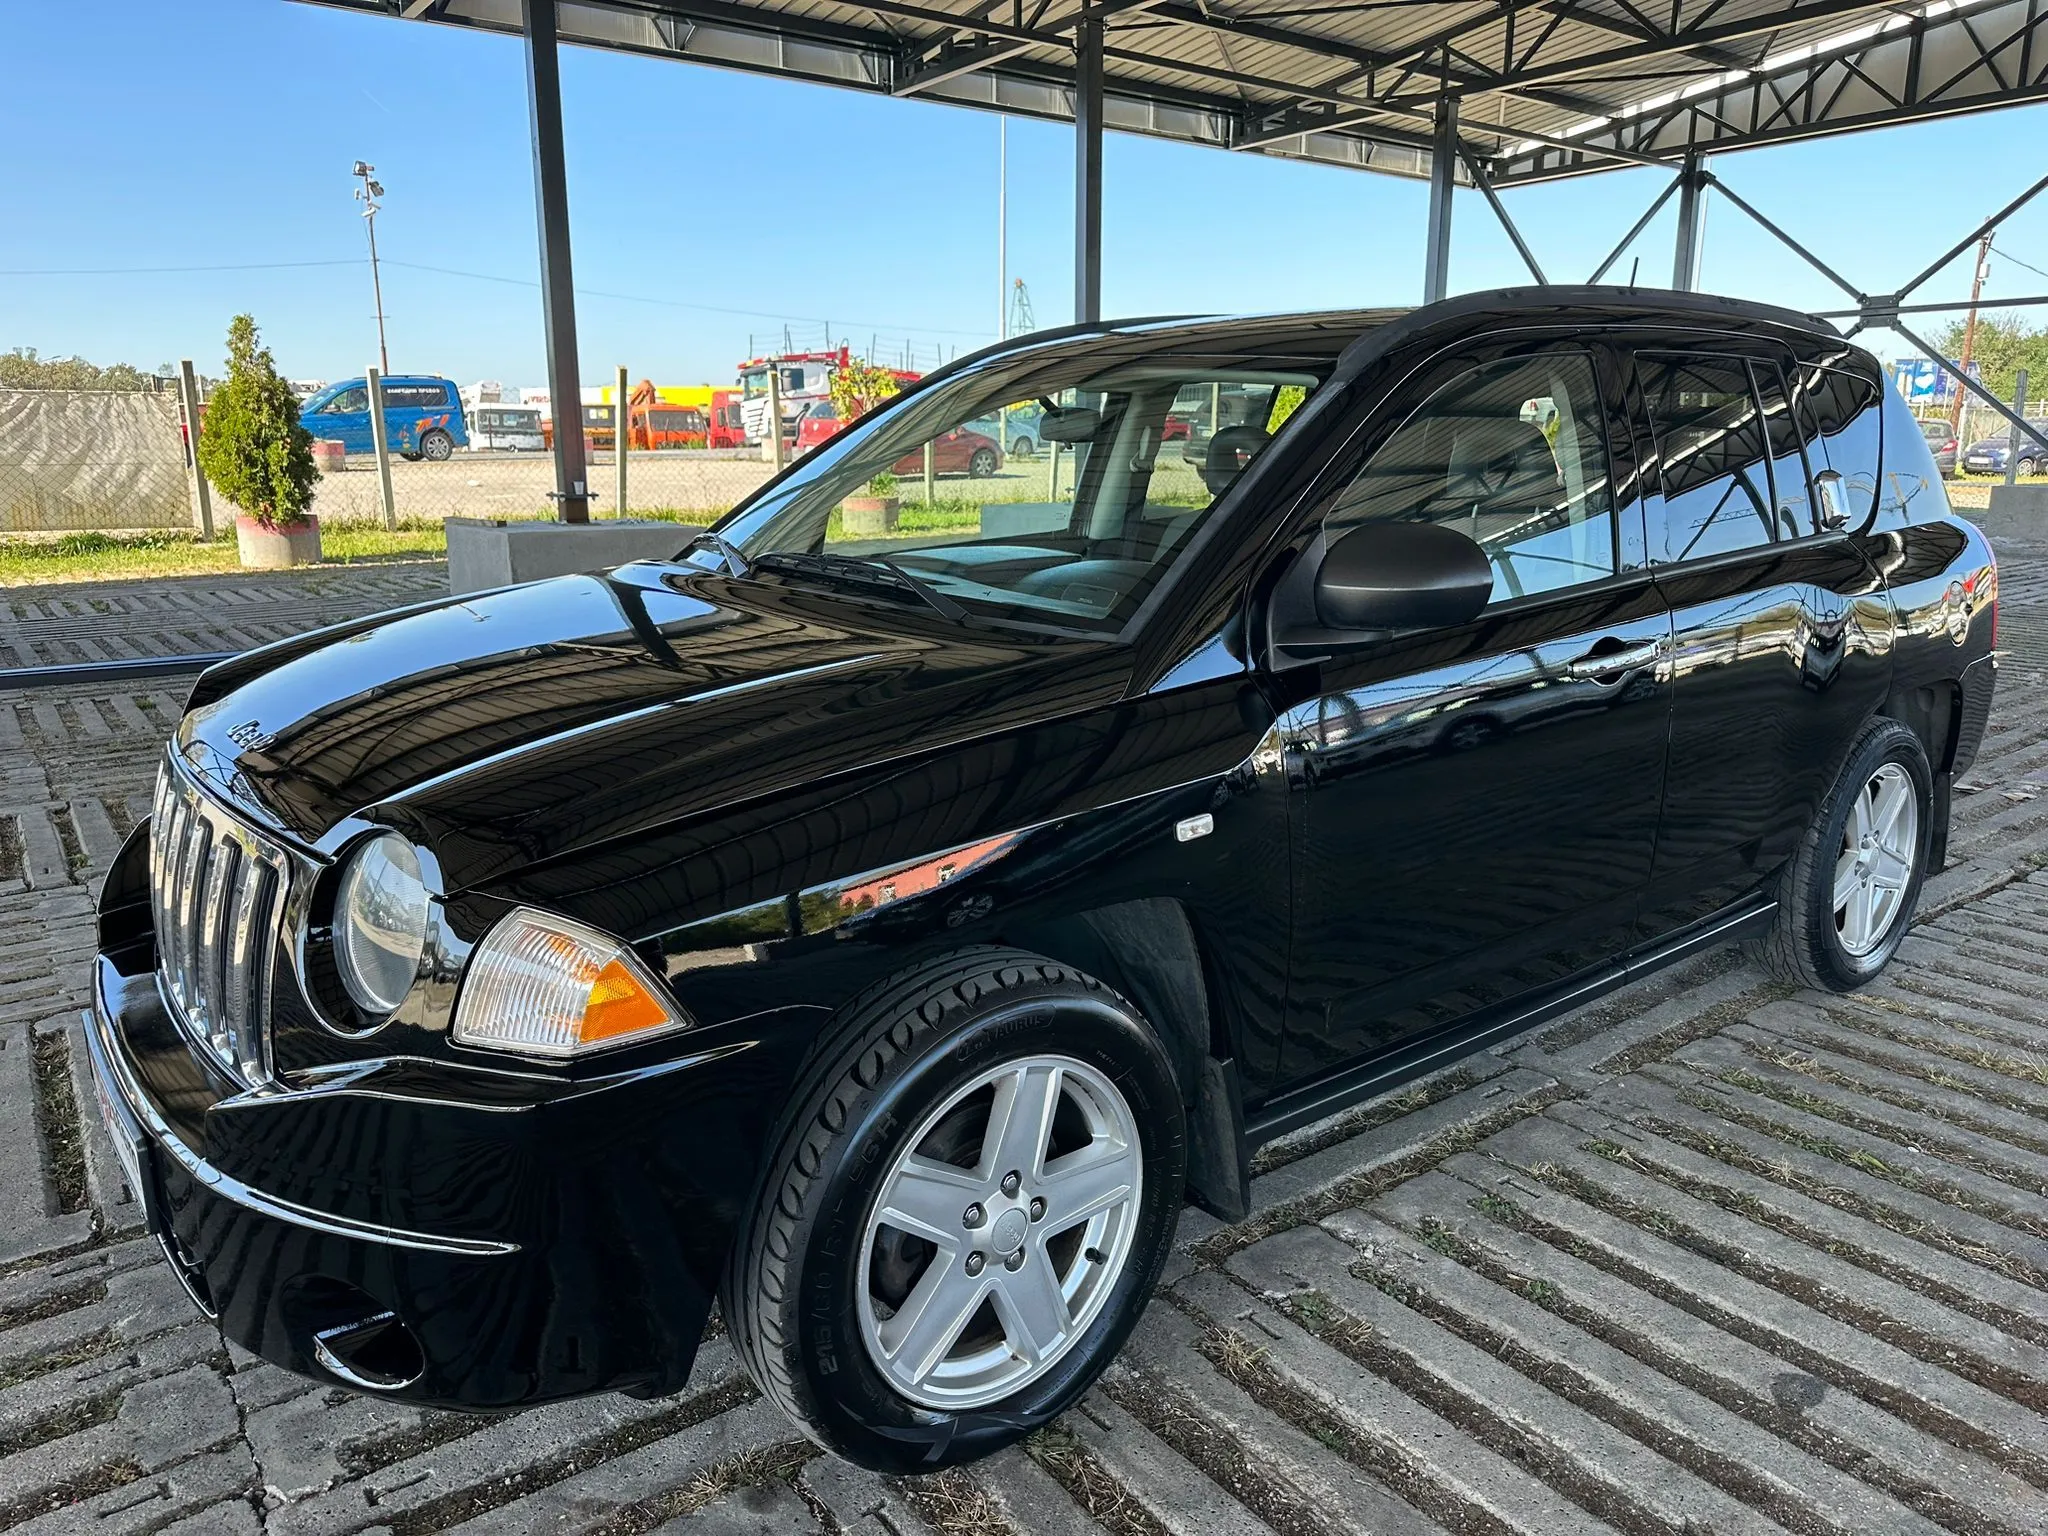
{"x": 38, "y": 560}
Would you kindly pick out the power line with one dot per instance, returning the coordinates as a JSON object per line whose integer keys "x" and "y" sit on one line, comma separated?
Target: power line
{"x": 2008, "y": 256}
{"x": 709, "y": 309}
{"x": 242, "y": 266}
{"x": 487, "y": 277}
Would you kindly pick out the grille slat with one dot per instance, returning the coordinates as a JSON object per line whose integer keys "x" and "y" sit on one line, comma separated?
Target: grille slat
{"x": 218, "y": 889}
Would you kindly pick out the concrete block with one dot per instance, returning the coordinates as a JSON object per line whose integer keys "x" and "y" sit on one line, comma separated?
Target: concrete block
{"x": 2016, "y": 512}
{"x": 1010, "y": 519}
{"x": 483, "y": 554}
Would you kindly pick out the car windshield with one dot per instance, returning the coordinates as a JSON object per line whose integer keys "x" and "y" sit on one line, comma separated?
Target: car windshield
{"x": 923, "y": 503}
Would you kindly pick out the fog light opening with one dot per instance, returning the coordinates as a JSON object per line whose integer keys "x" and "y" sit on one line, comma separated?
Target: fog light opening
{"x": 355, "y": 1339}
{"x": 377, "y": 1352}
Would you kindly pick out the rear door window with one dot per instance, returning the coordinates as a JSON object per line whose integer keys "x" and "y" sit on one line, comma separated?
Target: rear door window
{"x": 1785, "y": 431}
{"x": 1713, "y": 456}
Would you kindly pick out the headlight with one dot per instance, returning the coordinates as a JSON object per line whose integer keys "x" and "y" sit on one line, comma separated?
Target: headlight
{"x": 380, "y": 923}
{"x": 552, "y": 987}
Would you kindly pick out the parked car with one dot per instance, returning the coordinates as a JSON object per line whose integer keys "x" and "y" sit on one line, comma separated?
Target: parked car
{"x": 506, "y": 429}
{"x": 964, "y": 450}
{"x": 423, "y": 416}
{"x": 1988, "y": 456}
{"x": 1942, "y": 442}
{"x": 885, "y": 944}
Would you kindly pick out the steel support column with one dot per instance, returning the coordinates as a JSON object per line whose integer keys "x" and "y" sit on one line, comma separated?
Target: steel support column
{"x": 557, "y": 289}
{"x": 1088, "y": 167}
{"x": 1692, "y": 194}
{"x": 1443, "y": 178}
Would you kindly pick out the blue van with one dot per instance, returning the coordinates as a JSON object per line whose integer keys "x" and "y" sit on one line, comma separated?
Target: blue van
{"x": 422, "y": 416}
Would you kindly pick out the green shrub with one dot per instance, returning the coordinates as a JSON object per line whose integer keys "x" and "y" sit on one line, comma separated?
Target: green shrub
{"x": 251, "y": 446}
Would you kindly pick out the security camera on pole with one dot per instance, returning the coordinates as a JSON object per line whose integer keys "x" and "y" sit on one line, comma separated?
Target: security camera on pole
{"x": 367, "y": 194}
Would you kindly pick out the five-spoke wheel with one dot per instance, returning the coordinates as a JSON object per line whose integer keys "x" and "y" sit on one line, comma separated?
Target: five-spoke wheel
{"x": 1000, "y": 1231}
{"x": 1846, "y": 895}
{"x": 1880, "y": 844}
{"x": 968, "y": 1202}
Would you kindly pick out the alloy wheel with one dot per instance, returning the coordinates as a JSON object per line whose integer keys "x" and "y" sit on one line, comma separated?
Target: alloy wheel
{"x": 1874, "y": 867}
{"x": 1000, "y": 1232}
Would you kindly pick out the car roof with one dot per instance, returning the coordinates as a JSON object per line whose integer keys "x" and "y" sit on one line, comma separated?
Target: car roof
{"x": 1324, "y": 335}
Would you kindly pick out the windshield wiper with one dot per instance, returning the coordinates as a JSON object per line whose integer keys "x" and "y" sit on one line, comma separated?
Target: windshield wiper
{"x": 877, "y": 572}
{"x": 735, "y": 562}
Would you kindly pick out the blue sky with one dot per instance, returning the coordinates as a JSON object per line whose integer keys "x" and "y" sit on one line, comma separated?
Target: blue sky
{"x": 222, "y": 135}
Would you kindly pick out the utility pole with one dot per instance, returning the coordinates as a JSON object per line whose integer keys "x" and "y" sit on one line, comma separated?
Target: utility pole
{"x": 367, "y": 194}
{"x": 1955, "y": 419}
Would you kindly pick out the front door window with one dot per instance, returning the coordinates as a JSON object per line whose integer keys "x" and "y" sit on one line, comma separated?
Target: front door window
{"x": 1512, "y": 454}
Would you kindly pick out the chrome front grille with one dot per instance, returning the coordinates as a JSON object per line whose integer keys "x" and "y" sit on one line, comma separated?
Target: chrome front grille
{"x": 219, "y": 889}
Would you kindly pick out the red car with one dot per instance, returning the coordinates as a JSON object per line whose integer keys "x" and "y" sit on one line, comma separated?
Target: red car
{"x": 959, "y": 452}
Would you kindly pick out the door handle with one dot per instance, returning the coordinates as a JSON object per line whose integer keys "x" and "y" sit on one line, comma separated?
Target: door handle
{"x": 1599, "y": 665}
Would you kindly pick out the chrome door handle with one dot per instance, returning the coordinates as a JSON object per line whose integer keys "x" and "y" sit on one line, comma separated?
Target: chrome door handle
{"x": 1595, "y": 665}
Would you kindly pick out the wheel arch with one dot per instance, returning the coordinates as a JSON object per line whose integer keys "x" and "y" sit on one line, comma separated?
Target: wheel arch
{"x": 1150, "y": 951}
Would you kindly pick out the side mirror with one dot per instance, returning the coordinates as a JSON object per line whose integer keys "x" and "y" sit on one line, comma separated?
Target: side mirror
{"x": 1383, "y": 576}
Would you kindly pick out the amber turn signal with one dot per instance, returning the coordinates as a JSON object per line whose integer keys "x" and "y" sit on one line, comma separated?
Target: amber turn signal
{"x": 550, "y": 986}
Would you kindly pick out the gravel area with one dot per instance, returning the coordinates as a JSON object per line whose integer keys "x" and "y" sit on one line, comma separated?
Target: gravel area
{"x": 1714, "y": 1255}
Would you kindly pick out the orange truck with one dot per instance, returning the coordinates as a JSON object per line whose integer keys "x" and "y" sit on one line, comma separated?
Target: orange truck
{"x": 672, "y": 416}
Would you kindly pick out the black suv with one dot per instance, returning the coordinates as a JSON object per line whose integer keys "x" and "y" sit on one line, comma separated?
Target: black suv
{"x": 882, "y": 935}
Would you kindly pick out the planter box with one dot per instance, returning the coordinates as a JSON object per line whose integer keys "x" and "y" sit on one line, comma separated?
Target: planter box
{"x": 483, "y": 554}
{"x": 276, "y": 549}
{"x": 865, "y": 516}
{"x": 330, "y": 457}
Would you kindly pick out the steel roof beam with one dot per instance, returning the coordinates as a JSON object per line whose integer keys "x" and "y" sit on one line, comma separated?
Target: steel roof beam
{"x": 1677, "y": 42}
{"x": 951, "y": 62}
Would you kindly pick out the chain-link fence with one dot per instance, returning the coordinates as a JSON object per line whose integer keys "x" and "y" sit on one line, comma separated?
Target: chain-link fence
{"x": 76, "y": 459}
{"x": 506, "y": 484}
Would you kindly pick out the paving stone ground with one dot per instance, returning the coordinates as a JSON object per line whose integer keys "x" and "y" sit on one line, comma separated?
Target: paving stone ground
{"x": 61, "y": 625}
{"x": 1714, "y": 1255}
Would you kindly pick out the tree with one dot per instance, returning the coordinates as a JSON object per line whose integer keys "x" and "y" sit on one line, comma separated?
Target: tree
{"x": 859, "y": 387}
{"x": 2005, "y": 344}
{"x": 24, "y": 368}
{"x": 251, "y": 445}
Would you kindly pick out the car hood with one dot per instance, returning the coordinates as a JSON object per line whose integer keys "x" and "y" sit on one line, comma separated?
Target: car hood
{"x": 535, "y": 722}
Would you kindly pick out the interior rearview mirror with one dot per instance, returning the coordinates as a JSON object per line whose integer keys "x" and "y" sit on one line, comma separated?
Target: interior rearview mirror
{"x": 1383, "y": 576}
{"x": 1070, "y": 424}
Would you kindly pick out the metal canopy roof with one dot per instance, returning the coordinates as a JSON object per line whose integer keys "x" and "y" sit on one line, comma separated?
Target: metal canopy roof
{"x": 1545, "y": 88}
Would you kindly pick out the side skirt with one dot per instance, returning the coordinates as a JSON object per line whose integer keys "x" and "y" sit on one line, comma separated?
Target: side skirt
{"x": 1298, "y": 1107}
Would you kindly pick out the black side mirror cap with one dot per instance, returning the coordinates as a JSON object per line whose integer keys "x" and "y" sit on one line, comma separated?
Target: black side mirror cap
{"x": 1379, "y": 579}
{"x": 1402, "y": 576}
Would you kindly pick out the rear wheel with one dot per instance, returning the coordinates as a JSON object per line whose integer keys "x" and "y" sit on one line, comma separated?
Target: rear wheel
{"x": 1846, "y": 899}
{"x": 983, "y": 464}
{"x": 2025, "y": 469}
{"x": 1022, "y": 448}
{"x": 972, "y": 1193}
{"x": 436, "y": 446}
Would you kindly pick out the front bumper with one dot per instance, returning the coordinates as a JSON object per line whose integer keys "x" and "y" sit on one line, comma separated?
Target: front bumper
{"x": 391, "y": 1231}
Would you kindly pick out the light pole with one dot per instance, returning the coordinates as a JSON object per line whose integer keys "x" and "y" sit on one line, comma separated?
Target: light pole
{"x": 367, "y": 194}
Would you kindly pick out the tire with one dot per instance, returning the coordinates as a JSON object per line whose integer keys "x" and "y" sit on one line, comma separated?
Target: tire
{"x": 1815, "y": 941}
{"x": 436, "y": 446}
{"x": 410, "y": 458}
{"x": 982, "y": 464}
{"x": 923, "y": 1061}
{"x": 1023, "y": 448}
{"x": 1469, "y": 735}
{"x": 2025, "y": 469}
